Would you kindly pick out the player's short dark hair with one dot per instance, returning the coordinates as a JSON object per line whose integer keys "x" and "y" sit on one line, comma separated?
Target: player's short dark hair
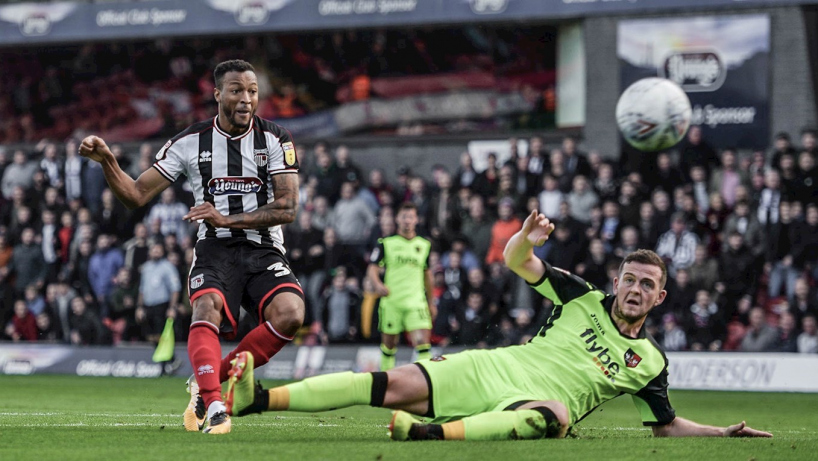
{"x": 407, "y": 206}
{"x": 643, "y": 256}
{"x": 234, "y": 65}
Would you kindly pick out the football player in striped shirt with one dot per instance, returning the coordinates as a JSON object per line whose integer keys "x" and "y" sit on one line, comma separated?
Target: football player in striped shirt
{"x": 243, "y": 172}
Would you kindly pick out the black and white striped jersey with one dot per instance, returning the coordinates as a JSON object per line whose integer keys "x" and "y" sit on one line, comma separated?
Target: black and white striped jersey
{"x": 234, "y": 173}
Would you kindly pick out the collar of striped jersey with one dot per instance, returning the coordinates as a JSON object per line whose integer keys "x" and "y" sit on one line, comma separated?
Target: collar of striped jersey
{"x": 226, "y": 135}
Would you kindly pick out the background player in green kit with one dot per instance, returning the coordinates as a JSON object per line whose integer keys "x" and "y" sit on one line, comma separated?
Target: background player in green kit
{"x": 406, "y": 291}
{"x": 592, "y": 349}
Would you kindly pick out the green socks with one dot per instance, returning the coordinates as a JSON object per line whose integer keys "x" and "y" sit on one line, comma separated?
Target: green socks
{"x": 388, "y": 357}
{"x": 424, "y": 351}
{"x": 499, "y": 425}
{"x": 325, "y": 392}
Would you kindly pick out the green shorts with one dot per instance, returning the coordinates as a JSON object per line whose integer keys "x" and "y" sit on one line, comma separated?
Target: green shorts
{"x": 479, "y": 381}
{"x": 394, "y": 318}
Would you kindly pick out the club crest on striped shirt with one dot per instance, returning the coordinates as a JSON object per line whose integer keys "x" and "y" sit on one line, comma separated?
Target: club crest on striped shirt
{"x": 260, "y": 156}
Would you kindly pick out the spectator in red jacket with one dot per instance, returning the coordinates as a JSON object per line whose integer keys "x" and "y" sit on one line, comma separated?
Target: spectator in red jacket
{"x": 503, "y": 229}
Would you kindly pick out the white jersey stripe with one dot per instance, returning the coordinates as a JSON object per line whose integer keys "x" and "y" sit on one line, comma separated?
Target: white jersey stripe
{"x": 220, "y": 171}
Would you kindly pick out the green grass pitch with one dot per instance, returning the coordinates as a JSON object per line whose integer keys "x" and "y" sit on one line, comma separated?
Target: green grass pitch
{"x": 79, "y": 418}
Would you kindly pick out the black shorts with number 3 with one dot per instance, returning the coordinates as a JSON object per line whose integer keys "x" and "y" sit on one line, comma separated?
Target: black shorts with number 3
{"x": 242, "y": 274}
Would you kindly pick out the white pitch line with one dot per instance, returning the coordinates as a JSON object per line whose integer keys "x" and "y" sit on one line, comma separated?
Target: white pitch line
{"x": 639, "y": 429}
{"x": 172, "y": 426}
{"x": 147, "y": 415}
{"x": 273, "y": 423}
{"x": 112, "y": 415}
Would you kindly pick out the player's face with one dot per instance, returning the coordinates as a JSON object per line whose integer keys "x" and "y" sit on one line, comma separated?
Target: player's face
{"x": 238, "y": 100}
{"x": 407, "y": 220}
{"x": 637, "y": 290}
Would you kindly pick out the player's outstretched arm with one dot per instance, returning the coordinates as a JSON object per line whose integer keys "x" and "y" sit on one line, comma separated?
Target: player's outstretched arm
{"x": 132, "y": 193}
{"x": 281, "y": 210}
{"x": 681, "y": 427}
{"x": 519, "y": 251}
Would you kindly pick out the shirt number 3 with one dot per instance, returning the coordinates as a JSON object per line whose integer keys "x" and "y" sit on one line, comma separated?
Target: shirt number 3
{"x": 279, "y": 268}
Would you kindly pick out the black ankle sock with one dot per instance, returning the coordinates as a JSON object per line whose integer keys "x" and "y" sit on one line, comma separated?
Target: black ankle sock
{"x": 426, "y": 432}
{"x": 263, "y": 399}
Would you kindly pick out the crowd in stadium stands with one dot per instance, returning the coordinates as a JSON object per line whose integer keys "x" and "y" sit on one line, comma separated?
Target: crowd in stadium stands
{"x": 141, "y": 90}
{"x": 739, "y": 235}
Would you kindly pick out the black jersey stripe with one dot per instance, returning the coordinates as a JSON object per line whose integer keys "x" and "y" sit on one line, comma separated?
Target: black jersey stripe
{"x": 235, "y": 203}
{"x": 260, "y": 145}
{"x": 206, "y": 172}
{"x": 555, "y": 315}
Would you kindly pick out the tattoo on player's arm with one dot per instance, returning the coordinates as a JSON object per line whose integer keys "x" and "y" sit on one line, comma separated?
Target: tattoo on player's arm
{"x": 281, "y": 210}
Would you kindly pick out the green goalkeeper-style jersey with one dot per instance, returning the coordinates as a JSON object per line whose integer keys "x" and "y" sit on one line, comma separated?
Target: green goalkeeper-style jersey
{"x": 405, "y": 261}
{"x": 585, "y": 361}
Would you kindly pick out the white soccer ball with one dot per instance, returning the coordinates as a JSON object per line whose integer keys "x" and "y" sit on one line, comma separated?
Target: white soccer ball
{"x": 653, "y": 114}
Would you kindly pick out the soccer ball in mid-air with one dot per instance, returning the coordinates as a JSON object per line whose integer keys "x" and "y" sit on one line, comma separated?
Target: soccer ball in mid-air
{"x": 653, "y": 114}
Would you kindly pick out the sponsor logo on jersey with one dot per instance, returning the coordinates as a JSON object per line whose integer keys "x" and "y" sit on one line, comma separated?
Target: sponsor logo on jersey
{"x": 439, "y": 358}
{"x": 234, "y": 185}
{"x": 407, "y": 260}
{"x": 597, "y": 324}
{"x": 632, "y": 359}
{"x": 260, "y": 156}
{"x": 161, "y": 154}
{"x": 601, "y": 356}
{"x": 205, "y": 369}
{"x": 196, "y": 281}
{"x": 205, "y": 156}
{"x": 289, "y": 153}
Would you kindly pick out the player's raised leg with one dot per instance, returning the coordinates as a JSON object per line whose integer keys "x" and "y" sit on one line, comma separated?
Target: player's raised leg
{"x": 205, "y": 357}
{"x": 533, "y": 420}
{"x": 283, "y": 316}
{"x": 403, "y": 388}
{"x": 243, "y": 363}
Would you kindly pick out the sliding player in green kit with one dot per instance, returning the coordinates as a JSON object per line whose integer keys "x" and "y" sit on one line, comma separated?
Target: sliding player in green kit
{"x": 593, "y": 348}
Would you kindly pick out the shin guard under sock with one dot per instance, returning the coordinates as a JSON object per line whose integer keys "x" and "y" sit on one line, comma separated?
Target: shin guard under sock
{"x": 263, "y": 342}
{"x": 205, "y": 353}
{"x": 424, "y": 351}
{"x": 504, "y": 425}
{"x": 326, "y": 392}
{"x": 388, "y": 357}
